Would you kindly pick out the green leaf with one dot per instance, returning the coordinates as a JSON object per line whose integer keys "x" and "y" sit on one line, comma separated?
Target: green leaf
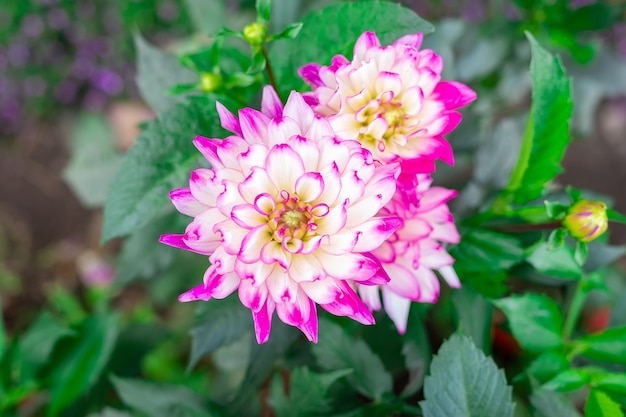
{"x": 157, "y": 71}
{"x": 558, "y": 262}
{"x": 417, "y": 352}
{"x": 94, "y": 160}
{"x": 611, "y": 382}
{"x": 307, "y": 393}
{"x": 142, "y": 255}
{"x": 207, "y": 16}
{"x": 547, "y": 130}
{"x": 82, "y": 361}
{"x": 484, "y": 250}
{"x": 160, "y": 161}
{"x": 224, "y": 322}
{"x": 535, "y": 320}
{"x": 337, "y": 350}
{"x": 615, "y": 216}
{"x": 600, "y": 404}
{"x": 111, "y": 412}
{"x": 556, "y": 239}
{"x": 606, "y": 346}
{"x": 264, "y": 10}
{"x": 3, "y": 336}
{"x": 547, "y": 365}
{"x": 260, "y": 365}
{"x": 474, "y": 316}
{"x": 37, "y": 343}
{"x": 568, "y": 380}
{"x": 554, "y": 209}
{"x": 552, "y": 404}
{"x": 258, "y": 62}
{"x": 322, "y": 37}
{"x": 290, "y": 32}
{"x": 162, "y": 400}
{"x": 463, "y": 382}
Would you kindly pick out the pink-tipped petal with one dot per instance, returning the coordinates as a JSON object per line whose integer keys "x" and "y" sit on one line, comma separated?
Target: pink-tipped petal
{"x": 270, "y": 103}
{"x": 227, "y": 119}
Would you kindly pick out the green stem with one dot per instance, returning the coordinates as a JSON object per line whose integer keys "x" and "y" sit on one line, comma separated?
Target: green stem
{"x": 575, "y": 308}
{"x": 268, "y": 68}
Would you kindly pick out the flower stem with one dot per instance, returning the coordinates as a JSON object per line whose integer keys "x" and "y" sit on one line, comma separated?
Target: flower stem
{"x": 575, "y": 308}
{"x": 268, "y": 69}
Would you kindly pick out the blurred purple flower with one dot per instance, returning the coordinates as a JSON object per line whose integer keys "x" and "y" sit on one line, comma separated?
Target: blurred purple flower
{"x": 18, "y": 55}
{"x": 32, "y": 26}
{"x": 94, "y": 271}
{"x": 107, "y": 81}
{"x": 83, "y": 68}
{"x": 65, "y": 92}
{"x": 57, "y": 19}
{"x": 95, "y": 101}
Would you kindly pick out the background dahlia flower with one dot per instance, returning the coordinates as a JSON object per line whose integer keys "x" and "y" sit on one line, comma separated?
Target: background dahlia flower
{"x": 412, "y": 254}
{"x": 287, "y": 214}
{"x": 391, "y": 99}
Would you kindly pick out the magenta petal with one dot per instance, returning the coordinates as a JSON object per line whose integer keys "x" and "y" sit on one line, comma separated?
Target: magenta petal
{"x": 176, "y": 241}
{"x": 270, "y": 103}
{"x": 263, "y": 321}
{"x": 366, "y": 41}
{"x": 310, "y": 73}
{"x": 380, "y": 277}
{"x": 208, "y": 149}
{"x": 350, "y": 305}
{"x": 228, "y": 120}
{"x": 253, "y": 125}
{"x": 196, "y": 293}
{"x": 185, "y": 202}
{"x": 454, "y": 94}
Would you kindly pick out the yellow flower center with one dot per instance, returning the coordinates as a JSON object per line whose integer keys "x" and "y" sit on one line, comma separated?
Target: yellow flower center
{"x": 293, "y": 218}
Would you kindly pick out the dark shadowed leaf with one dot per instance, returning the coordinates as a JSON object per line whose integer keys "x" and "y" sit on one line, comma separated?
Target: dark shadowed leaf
{"x": 484, "y": 250}
{"x": 162, "y": 400}
{"x": 223, "y": 322}
{"x": 463, "y": 382}
{"x": 337, "y": 350}
{"x": 474, "y": 315}
{"x": 307, "y": 393}
{"x": 535, "y": 320}
{"x": 322, "y": 37}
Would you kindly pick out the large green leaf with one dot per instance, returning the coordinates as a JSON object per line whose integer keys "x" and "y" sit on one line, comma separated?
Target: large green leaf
{"x": 160, "y": 161}
{"x": 223, "y": 322}
{"x": 94, "y": 160}
{"x": 555, "y": 262}
{"x": 600, "y": 404}
{"x": 535, "y": 320}
{"x": 157, "y": 71}
{"x": 607, "y": 346}
{"x": 547, "y": 130}
{"x": 474, "y": 314}
{"x": 207, "y": 16}
{"x": 485, "y": 250}
{"x": 463, "y": 382}
{"x": 333, "y": 30}
{"x": 82, "y": 361}
{"x": 162, "y": 400}
{"x": 337, "y": 350}
{"x": 307, "y": 393}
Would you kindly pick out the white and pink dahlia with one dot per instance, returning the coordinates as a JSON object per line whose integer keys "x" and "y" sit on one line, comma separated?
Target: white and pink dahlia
{"x": 412, "y": 254}
{"x": 391, "y": 99}
{"x": 288, "y": 216}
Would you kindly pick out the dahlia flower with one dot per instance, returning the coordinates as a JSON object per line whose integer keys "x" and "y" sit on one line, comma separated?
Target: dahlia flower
{"x": 391, "y": 99}
{"x": 287, "y": 215}
{"x": 412, "y": 254}
{"x": 586, "y": 220}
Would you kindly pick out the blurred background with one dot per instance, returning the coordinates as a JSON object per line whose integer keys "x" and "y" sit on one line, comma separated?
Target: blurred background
{"x": 70, "y": 108}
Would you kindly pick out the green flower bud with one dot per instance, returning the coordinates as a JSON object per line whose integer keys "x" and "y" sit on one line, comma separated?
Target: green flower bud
{"x": 586, "y": 220}
{"x": 255, "y": 33}
{"x": 210, "y": 82}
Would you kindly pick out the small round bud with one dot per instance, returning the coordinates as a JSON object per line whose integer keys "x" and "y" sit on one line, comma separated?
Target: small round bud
{"x": 255, "y": 33}
{"x": 210, "y": 82}
{"x": 586, "y": 220}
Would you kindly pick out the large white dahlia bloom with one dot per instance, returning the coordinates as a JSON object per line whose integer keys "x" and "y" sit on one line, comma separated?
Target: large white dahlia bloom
{"x": 288, "y": 215}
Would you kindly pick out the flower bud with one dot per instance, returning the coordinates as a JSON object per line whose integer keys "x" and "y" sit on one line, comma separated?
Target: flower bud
{"x": 255, "y": 33}
{"x": 586, "y": 220}
{"x": 210, "y": 82}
